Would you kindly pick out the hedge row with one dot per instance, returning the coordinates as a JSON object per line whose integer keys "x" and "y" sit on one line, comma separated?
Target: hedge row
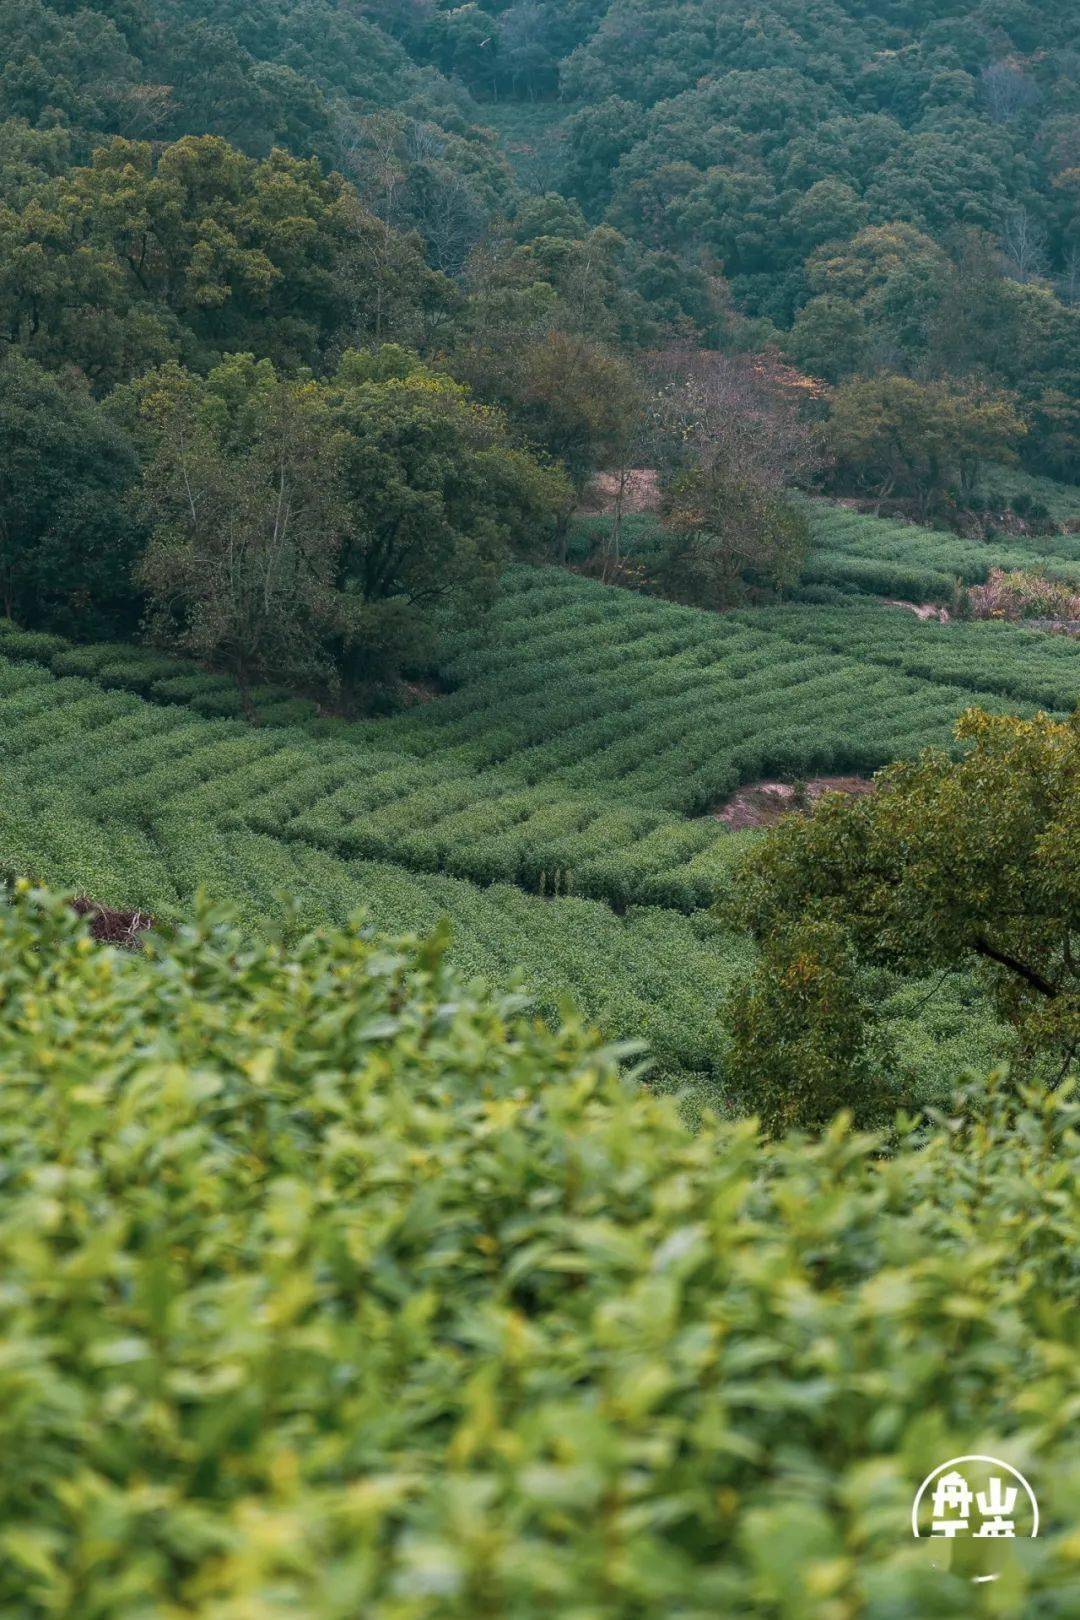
{"x": 154, "y": 675}
{"x": 1026, "y": 665}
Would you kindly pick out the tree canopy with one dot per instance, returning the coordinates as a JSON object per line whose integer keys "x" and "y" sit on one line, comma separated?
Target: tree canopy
{"x": 974, "y": 860}
{"x": 308, "y": 530}
{"x": 68, "y": 542}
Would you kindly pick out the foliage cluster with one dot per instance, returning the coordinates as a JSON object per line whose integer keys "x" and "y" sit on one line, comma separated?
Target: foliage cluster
{"x": 885, "y": 194}
{"x": 895, "y": 435}
{"x": 281, "y": 528}
{"x": 1024, "y": 596}
{"x": 729, "y": 537}
{"x": 949, "y": 863}
{"x": 333, "y": 1286}
{"x": 292, "y": 185}
{"x": 306, "y": 530}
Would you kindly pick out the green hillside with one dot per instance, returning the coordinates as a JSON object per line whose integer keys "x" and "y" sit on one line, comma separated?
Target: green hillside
{"x": 859, "y": 554}
{"x": 539, "y": 783}
{"x": 881, "y": 558}
{"x": 553, "y": 804}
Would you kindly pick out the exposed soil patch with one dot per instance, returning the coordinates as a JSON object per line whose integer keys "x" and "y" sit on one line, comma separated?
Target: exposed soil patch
{"x": 921, "y": 610}
{"x": 423, "y": 691}
{"x": 763, "y": 804}
{"x": 641, "y": 492}
{"x": 112, "y": 926}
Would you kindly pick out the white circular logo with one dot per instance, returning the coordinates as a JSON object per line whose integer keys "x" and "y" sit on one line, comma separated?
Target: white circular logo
{"x": 976, "y": 1496}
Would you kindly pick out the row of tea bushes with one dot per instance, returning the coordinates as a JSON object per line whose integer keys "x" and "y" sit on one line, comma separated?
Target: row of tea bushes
{"x": 1026, "y": 665}
{"x": 155, "y": 675}
{"x": 604, "y": 823}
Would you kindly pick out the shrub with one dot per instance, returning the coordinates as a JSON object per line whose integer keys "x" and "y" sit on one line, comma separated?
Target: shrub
{"x": 333, "y": 1289}
{"x": 39, "y": 645}
{"x": 1021, "y": 595}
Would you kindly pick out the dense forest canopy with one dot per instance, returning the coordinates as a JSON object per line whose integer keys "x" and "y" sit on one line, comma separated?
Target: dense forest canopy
{"x": 887, "y": 201}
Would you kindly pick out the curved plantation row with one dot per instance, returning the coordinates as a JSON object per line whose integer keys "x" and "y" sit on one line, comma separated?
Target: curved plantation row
{"x": 125, "y": 760}
{"x": 856, "y": 552}
{"x": 655, "y": 972}
{"x": 583, "y": 724}
{"x": 667, "y": 705}
{"x": 576, "y": 774}
{"x": 994, "y": 656}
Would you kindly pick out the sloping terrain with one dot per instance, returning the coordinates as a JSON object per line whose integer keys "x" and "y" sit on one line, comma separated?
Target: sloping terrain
{"x": 554, "y": 805}
{"x": 856, "y": 552}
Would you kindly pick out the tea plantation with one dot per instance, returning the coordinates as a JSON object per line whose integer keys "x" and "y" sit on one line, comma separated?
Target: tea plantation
{"x": 332, "y": 1289}
{"x": 554, "y": 803}
{"x": 854, "y": 552}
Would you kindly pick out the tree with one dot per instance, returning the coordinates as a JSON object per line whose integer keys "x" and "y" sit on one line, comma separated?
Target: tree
{"x": 1023, "y": 244}
{"x": 728, "y": 534}
{"x": 415, "y": 176}
{"x": 951, "y": 863}
{"x": 741, "y": 414}
{"x": 575, "y": 399}
{"x": 829, "y": 212}
{"x": 596, "y": 138}
{"x": 1008, "y": 91}
{"x": 308, "y": 531}
{"x": 829, "y": 338}
{"x": 67, "y": 539}
{"x": 893, "y": 276}
{"x": 898, "y": 436}
{"x": 199, "y": 250}
{"x": 437, "y": 496}
{"x": 241, "y": 498}
{"x": 730, "y": 440}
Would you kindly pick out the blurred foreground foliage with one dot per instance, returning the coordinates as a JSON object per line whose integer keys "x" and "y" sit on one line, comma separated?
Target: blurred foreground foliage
{"x": 333, "y": 1288}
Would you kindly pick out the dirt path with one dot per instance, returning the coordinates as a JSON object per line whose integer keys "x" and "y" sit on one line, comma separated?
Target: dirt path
{"x": 921, "y": 610}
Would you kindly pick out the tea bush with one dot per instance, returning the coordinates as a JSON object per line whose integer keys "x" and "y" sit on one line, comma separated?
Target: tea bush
{"x": 1023, "y": 664}
{"x": 585, "y": 735}
{"x": 331, "y": 1289}
{"x": 891, "y": 558}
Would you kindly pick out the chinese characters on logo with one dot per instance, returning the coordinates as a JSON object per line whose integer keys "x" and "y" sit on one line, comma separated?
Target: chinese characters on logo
{"x": 953, "y": 1499}
{"x": 976, "y": 1496}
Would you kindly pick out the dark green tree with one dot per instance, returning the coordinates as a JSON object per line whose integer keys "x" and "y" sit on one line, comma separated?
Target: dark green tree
{"x": 68, "y": 541}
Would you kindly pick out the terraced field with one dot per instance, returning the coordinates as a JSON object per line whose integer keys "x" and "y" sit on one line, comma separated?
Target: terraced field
{"x": 589, "y": 734}
{"x": 554, "y": 804}
{"x": 855, "y": 552}
{"x": 1026, "y": 666}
